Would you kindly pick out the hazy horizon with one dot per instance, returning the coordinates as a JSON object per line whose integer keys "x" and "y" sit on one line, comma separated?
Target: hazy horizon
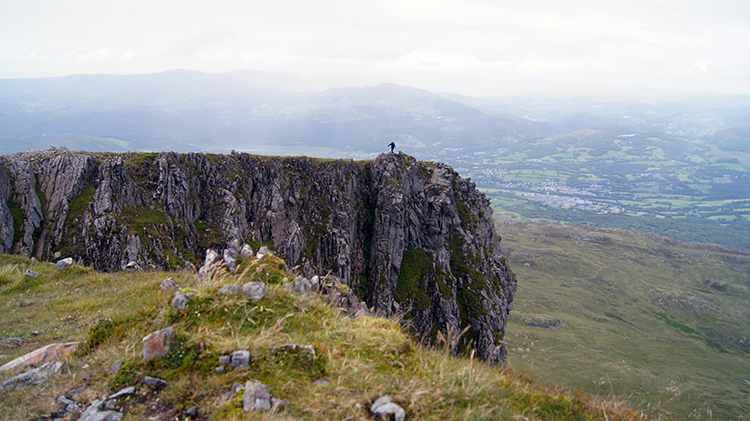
{"x": 474, "y": 48}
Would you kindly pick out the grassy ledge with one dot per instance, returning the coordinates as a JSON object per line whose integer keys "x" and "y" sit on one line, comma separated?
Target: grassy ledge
{"x": 360, "y": 359}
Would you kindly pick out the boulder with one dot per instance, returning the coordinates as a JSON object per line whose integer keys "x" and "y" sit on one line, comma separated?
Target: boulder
{"x": 96, "y": 412}
{"x": 154, "y": 382}
{"x": 33, "y": 377}
{"x": 302, "y": 286}
{"x": 132, "y": 267}
{"x": 123, "y": 392}
{"x": 230, "y": 258}
{"x": 62, "y": 264}
{"x": 315, "y": 282}
{"x": 240, "y": 359}
{"x": 114, "y": 368}
{"x": 256, "y": 396}
{"x": 156, "y": 344}
{"x": 384, "y": 407}
{"x": 212, "y": 257}
{"x": 45, "y": 354}
{"x": 168, "y": 283}
{"x": 246, "y": 252}
{"x": 68, "y": 404}
{"x": 255, "y": 290}
{"x": 180, "y": 301}
{"x": 12, "y": 341}
{"x": 229, "y": 290}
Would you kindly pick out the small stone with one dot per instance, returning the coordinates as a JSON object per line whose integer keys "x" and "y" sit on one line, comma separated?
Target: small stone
{"x": 168, "y": 283}
{"x": 12, "y": 341}
{"x": 192, "y": 412}
{"x": 302, "y": 286}
{"x": 72, "y": 392}
{"x": 322, "y": 382}
{"x": 203, "y": 273}
{"x": 240, "y": 359}
{"x": 70, "y": 405}
{"x": 315, "y": 282}
{"x": 230, "y": 258}
{"x": 55, "y": 256}
{"x": 33, "y": 377}
{"x": 211, "y": 257}
{"x": 293, "y": 348}
{"x": 384, "y": 407}
{"x": 95, "y": 413}
{"x": 278, "y": 404}
{"x": 132, "y": 267}
{"x": 255, "y": 290}
{"x": 124, "y": 392}
{"x": 180, "y": 301}
{"x": 264, "y": 250}
{"x": 237, "y": 387}
{"x": 156, "y": 345}
{"x": 114, "y": 368}
{"x": 189, "y": 268}
{"x": 229, "y": 290}
{"x": 230, "y": 394}
{"x": 225, "y": 360}
{"x": 154, "y": 382}
{"x": 256, "y": 396}
{"x": 246, "y": 252}
{"x": 30, "y": 274}
{"x": 220, "y": 369}
{"x": 62, "y": 264}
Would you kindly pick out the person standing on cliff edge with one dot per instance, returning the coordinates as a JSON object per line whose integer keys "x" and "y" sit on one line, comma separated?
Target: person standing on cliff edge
{"x": 392, "y": 145}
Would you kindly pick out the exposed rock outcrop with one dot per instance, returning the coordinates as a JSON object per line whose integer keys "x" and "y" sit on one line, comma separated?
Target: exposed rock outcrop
{"x": 403, "y": 235}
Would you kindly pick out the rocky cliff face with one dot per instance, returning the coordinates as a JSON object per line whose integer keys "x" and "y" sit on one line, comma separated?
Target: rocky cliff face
{"x": 405, "y": 236}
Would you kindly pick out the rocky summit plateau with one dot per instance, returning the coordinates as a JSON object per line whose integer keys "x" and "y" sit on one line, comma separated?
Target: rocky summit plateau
{"x": 403, "y": 236}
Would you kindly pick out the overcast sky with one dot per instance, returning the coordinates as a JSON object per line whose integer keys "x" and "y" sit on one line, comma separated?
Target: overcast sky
{"x": 477, "y": 47}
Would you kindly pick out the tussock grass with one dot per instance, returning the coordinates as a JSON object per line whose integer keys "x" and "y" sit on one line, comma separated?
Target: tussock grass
{"x": 356, "y": 360}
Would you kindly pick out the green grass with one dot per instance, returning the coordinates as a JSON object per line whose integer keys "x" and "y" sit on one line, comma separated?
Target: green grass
{"x": 643, "y": 317}
{"x": 18, "y": 219}
{"x": 361, "y": 358}
{"x": 416, "y": 264}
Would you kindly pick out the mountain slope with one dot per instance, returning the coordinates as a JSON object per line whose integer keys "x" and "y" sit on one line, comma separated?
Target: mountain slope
{"x": 661, "y": 322}
{"x": 342, "y": 366}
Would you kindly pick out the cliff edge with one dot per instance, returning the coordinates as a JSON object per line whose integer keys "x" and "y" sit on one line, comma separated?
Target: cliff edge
{"x": 404, "y": 236}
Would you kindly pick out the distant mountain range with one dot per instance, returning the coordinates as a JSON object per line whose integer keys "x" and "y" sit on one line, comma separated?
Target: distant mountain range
{"x": 185, "y": 110}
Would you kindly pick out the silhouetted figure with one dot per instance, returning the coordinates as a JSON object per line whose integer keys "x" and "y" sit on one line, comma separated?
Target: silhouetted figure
{"x": 392, "y": 145}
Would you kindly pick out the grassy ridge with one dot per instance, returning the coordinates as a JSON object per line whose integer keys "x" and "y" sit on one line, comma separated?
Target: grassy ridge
{"x": 661, "y": 323}
{"x": 361, "y": 358}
